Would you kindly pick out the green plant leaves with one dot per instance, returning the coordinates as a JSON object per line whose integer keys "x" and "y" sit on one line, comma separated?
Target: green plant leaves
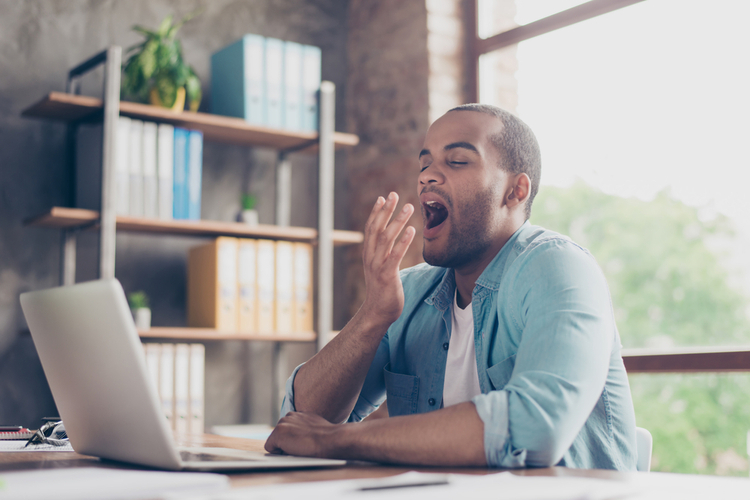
{"x": 157, "y": 63}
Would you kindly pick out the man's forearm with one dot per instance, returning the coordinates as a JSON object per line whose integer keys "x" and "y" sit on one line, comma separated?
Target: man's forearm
{"x": 329, "y": 384}
{"x": 453, "y": 436}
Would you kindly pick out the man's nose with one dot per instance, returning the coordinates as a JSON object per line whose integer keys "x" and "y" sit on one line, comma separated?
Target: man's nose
{"x": 431, "y": 175}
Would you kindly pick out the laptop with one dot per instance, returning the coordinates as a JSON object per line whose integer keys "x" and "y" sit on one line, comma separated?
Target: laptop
{"x": 96, "y": 369}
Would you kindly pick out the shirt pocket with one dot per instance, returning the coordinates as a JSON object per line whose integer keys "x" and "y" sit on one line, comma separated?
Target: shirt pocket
{"x": 401, "y": 391}
{"x": 499, "y": 373}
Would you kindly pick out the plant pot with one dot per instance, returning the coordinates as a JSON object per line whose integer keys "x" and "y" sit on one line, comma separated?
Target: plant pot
{"x": 142, "y": 317}
{"x": 249, "y": 217}
{"x": 179, "y": 102}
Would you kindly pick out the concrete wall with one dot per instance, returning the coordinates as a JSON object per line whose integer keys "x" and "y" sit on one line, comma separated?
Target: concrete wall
{"x": 39, "y": 41}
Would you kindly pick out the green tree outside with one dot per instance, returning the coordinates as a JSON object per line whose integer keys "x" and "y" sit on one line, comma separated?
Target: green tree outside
{"x": 669, "y": 288}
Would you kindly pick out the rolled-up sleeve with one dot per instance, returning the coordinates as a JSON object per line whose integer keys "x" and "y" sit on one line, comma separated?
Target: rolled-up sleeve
{"x": 561, "y": 308}
{"x": 370, "y": 397}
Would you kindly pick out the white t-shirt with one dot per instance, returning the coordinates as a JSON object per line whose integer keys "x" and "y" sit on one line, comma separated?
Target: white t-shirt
{"x": 461, "y": 378}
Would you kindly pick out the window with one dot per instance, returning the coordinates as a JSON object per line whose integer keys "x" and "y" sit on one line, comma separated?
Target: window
{"x": 642, "y": 119}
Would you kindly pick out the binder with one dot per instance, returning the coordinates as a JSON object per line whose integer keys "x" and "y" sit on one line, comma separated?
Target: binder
{"x": 135, "y": 159}
{"x": 292, "y": 86}
{"x": 247, "y": 264}
{"x": 266, "y": 294}
{"x": 182, "y": 388}
{"x": 179, "y": 192}
{"x": 284, "y": 286}
{"x": 153, "y": 355}
{"x": 303, "y": 293}
{"x": 88, "y": 153}
{"x": 212, "y": 285}
{"x": 197, "y": 384}
{"x": 274, "y": 83}
{"x": 311, "y": 71}
{"x": 150, "y": 187}
{"x": 195, "y": 174}
{"x": 166, "y": 382}
{"x": 122, "y": 166}
{"x": 165, "y": 169}
{"x": 237, "y": 87}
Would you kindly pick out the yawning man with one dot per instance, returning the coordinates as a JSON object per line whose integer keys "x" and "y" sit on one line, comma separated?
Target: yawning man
{"x": 501, "y": 350}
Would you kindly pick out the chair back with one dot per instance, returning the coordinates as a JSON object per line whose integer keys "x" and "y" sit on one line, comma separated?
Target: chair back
{"x": 644, "y": 445}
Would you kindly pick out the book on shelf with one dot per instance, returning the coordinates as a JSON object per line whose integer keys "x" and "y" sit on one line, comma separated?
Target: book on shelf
{"x": 237, "y": 87}
{"x": 148, "y": 164}
{"x": 247, "y": 263}
{"x": 166, "y": 381}
{"x": 135, "y": 159}
{"x": 195, "y": 174}
{"x": 182, "y": 388}
{"x": 292, "y": 86}
{"x": 303, "y": 287}
{"x": 284, "y": 287}
{"x": 165, "y": 169}
{"x": 177, "y": 371}
{"x": 311, "y": 78}
{"x": 196, "y": 387}
{"x": 180, "y": 173}
{"x": 212, "y": 285}
{"x": 273, "y": 108}
{"x": 266, "y": 286}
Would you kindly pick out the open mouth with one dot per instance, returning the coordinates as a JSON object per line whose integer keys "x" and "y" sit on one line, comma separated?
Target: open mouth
{"x": 435, "y": 214}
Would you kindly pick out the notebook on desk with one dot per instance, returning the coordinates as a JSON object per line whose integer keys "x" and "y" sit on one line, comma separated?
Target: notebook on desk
{"x": 95, "y": 366}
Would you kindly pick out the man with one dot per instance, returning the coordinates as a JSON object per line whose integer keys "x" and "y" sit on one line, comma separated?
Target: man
{"x": 502, "y": 350}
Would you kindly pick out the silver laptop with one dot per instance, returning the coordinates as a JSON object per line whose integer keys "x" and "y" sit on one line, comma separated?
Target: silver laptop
{"x": 96, "y": 369}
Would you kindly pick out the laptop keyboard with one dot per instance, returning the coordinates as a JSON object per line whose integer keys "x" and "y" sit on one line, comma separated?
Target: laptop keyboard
{"x": 189, "y": 456}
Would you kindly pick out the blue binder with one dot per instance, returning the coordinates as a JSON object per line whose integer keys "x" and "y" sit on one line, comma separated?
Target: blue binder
{"x": 179, "y": 195}
{"x": 194, "y": 174}
{"x": 237, "y": 81}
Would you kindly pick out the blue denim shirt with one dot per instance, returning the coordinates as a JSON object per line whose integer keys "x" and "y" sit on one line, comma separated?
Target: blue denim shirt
{"x": 554, "y": 387}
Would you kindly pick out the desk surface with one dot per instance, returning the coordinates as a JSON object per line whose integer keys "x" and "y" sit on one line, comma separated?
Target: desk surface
{"x": 654, "y": 484}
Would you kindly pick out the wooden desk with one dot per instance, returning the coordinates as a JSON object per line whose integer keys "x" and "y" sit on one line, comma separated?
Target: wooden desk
{"x": 653, "y": 485}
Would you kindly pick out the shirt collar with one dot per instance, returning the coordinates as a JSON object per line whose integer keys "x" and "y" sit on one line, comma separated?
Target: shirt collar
{"x": 490, "y": 278}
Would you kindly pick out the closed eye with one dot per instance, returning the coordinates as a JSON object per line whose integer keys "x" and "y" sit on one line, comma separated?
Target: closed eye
{"x": 424, "y": 168}
{"x": 459, "y": 162}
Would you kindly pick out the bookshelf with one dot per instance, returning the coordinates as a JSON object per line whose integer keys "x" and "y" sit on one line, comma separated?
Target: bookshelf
{"x": 74, "y": 109}
{"x": 79, "y": 218}
{"x": 66, "y": 107}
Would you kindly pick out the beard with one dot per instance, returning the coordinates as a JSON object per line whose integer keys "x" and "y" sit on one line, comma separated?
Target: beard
{"x": 467, "y": 239}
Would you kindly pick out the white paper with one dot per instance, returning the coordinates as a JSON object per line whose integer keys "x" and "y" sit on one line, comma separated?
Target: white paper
{"x": 106, "y": 484}
{"x": 500, "y": 486}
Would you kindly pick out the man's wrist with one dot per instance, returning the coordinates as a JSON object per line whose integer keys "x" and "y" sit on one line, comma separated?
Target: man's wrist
{"x": 371, "y": 320}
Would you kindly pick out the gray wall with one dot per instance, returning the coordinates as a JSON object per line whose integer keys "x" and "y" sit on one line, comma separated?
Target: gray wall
{"x": 39, "y": 41}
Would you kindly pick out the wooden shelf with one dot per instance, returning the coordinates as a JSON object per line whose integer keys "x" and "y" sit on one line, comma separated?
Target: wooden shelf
{"x": 198, "y": 334}
{"x": 68, "y": 218}
{"x": 71, "y": 107}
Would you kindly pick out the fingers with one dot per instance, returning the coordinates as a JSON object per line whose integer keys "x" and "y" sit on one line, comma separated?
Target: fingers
{"x": 378, "y": 220}
{"x": 402, "y": 245}
{"x": 380, "y": 234}
{"x": 388, "y": 236}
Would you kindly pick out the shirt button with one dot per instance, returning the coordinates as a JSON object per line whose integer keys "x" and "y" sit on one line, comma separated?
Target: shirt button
{"x": 445, "y": 346}
{"x": 431, "y": 402}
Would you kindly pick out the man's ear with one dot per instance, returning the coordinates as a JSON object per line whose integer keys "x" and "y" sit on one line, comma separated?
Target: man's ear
{"x": 518, "y": 191}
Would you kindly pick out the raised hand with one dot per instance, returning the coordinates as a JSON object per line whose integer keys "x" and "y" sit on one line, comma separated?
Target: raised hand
{"x": 382, "y": 255}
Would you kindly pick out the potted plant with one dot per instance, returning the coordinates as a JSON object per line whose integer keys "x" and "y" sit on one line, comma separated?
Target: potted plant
{"x": 155, "y": 71}
{"x": 249, "y": 215}
{"x": 139, "y": 307}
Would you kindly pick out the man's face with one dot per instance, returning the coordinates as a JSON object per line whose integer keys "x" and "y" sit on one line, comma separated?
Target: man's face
{"x": 461, "y": 188}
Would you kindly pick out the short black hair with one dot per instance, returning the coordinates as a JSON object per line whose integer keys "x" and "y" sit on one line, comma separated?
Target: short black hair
{"x": 517, "y": 144}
